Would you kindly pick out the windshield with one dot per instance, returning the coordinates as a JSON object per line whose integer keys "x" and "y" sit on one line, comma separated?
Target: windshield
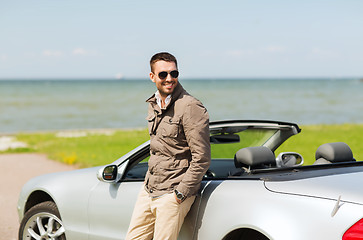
{"x": 247, "y": 138}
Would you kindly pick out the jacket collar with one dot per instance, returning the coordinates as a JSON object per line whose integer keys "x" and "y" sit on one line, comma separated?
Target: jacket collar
{"x": 175, "y": 95}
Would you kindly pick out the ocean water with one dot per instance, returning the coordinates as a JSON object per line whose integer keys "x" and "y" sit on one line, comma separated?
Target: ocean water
{"x": 41, "y": 105}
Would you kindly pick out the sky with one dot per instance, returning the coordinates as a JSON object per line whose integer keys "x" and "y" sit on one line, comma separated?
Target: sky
{"x": 211, "y": 39}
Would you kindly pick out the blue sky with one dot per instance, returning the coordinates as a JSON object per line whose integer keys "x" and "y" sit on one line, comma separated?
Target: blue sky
{"x": 211, "y": 39}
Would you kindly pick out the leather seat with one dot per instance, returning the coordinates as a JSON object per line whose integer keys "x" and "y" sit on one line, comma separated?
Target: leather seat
{"x": 333, "y": 153}
{"x": 254, "y": 158}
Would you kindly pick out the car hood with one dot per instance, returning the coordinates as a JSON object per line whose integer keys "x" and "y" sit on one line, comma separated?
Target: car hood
{"x": 346, "y": 186}
{"x": 85, "y": 175}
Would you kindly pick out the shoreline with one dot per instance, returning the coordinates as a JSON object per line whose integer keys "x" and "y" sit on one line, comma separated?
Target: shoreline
{"x": 105, "y": 131}
{"x": 10, "y": 142}
{"x": 88, "y": 130}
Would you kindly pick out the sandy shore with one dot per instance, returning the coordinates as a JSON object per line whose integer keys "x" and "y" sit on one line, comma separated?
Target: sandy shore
{"x": 16, "y": 170}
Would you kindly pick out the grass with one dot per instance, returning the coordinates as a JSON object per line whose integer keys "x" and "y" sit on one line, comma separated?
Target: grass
{"x": 311, "y": 137}
{"x": 85, "y": 151}
{"x": 94, "y": 149}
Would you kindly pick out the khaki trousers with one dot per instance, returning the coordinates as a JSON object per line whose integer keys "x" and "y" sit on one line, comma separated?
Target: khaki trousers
{"x": 157, "y": 218}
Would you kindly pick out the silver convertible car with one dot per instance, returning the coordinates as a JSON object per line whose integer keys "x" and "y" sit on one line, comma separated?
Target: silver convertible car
{"x": 248, "y": 192}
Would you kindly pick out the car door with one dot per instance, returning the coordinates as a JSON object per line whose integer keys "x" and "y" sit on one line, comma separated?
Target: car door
{"x": 110, "y": 208}
{"x": 111, "y": 205}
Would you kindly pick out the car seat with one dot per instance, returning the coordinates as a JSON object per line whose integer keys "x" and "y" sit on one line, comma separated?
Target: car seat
{"x": 333, "y": 153}
{"x": 254, "y": 158}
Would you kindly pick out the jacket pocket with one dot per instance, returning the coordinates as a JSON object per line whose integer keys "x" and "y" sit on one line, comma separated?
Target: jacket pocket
{"x": 183, "y": 163}
{"x": 150, "y": 123}
{"x": 170, "y": 127}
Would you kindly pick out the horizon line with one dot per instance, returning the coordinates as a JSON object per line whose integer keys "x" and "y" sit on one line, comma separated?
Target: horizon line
{"x": 186, "y": 78}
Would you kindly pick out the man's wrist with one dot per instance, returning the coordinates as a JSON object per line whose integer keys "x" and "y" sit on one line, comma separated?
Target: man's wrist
{"x": 180, "y": 196}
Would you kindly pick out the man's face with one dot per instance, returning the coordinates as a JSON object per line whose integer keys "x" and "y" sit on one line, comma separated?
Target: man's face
{"x": 167, "y": 85}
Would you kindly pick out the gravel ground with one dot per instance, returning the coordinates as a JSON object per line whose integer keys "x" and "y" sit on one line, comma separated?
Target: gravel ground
{"x": 16, "y": 170}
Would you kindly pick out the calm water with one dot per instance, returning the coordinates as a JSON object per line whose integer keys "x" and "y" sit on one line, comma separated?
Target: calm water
{"x": 64, "y": 104}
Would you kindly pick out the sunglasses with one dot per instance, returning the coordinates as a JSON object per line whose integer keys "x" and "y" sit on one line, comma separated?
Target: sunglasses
{"x": 174, "y": 74}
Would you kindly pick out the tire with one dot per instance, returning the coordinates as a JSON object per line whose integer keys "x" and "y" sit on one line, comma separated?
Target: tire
{"x": 42, "y": 222}
{"x": 245, "y": 234}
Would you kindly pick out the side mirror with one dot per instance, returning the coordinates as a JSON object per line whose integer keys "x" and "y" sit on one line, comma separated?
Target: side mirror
{"x": 289, "y": 159}
{"x": 109, "y": 174}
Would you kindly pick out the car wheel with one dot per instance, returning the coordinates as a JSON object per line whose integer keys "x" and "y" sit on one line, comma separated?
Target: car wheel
{"x": 42, "y": 222}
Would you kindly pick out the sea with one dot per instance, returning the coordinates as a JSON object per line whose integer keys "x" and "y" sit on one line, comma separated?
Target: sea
{"x": 47, "y": 105}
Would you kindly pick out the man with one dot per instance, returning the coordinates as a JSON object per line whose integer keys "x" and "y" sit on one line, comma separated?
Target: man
{"x": 179, "y": 155}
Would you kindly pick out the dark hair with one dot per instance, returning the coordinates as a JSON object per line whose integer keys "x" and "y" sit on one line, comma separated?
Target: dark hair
{"x": 162, "y": 56}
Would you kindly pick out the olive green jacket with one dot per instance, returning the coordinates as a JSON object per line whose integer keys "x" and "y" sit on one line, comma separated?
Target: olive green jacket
{"x": 179, "y": 145}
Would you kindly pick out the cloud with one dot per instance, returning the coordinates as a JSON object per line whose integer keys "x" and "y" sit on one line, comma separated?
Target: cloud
{"x": 257, "y": 52}
{"x": 275, "y": 49}
{"x": 3, "y": 57}
{"x": 52, "y": 53}
{"x": 240, "y": 52}
{"x": 323, "y": 53}
{"x": 79, "y": 51}
{"x": 74, "y": 52}
{"x": 83, "y": 52}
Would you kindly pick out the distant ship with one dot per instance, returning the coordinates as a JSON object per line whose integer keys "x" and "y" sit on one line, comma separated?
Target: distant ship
{"x": 119, "y": 76}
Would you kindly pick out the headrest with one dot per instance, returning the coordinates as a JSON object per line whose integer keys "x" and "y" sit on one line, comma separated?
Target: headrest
{"x": 254, "y": 157}
{"x": 334, "y": 152}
